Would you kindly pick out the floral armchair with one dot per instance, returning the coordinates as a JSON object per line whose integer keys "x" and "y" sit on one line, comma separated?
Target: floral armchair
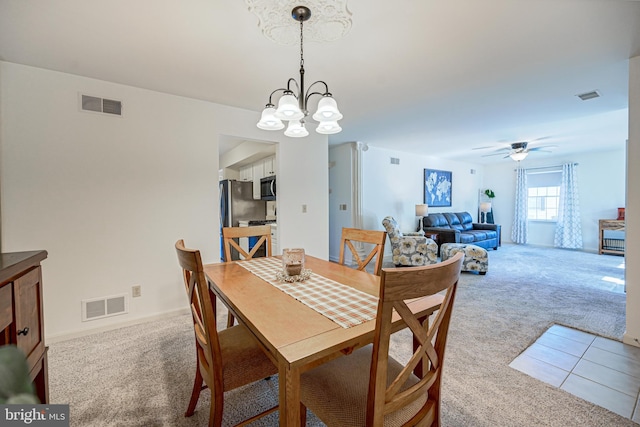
{"x": 410, "y": 249}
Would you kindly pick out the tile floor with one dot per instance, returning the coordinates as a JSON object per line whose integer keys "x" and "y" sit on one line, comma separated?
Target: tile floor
{"x": 599, "y": 370}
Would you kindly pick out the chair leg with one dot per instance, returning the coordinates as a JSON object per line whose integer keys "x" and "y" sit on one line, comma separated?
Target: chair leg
{"x": 230, "y": 320}
{"x": 215, "y": 410}
{"x": 303, "y": 415}
{"x": 195, "y": 394}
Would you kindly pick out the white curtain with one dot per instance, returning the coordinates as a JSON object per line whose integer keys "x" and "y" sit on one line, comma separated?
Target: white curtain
{"x": 520, "y": 226}
{"x": 569, "y": 226}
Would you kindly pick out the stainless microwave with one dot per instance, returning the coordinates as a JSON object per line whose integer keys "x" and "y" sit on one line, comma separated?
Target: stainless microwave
{"x": 268, "y": 188}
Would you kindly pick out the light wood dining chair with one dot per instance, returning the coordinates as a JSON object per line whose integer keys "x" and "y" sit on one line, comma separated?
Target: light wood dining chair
{"x": 225, "y": 360}
{"x": 369, "y": 387}
{"x": 356, "y": 235}
{"x": 230, "y": 236}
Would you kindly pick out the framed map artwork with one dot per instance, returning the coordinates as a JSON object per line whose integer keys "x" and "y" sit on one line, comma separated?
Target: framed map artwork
{"x": 437, "y": 188}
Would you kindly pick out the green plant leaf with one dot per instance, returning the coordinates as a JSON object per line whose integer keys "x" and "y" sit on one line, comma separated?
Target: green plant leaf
{"x": 14, "y": 373}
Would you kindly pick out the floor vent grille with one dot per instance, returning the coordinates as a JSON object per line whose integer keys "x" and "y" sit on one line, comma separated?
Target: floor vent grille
{"x": 99, "y": 308}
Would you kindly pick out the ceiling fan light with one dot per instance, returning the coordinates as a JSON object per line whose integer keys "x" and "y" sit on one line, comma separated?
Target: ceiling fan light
{"x": 288, "y": 108}
{"x": 268, "y": 120}
{"x": 328, "y": 128}
{"x": 327, "y": 110}
{"x": 519, "y": 156}
{"x": 296, "y": 129}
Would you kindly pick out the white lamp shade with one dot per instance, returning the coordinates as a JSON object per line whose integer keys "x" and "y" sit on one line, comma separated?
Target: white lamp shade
{"x": 288, "y": 108}
{"x": 268, "y": 120}
{"x": 422, "y": 210}
{"x": 485, "y": 207}
{"x": 327, "y": 110}
{"x": 519, "y": 156}
{"x": 328, "y": 128}
{"x": 296, "y": 129}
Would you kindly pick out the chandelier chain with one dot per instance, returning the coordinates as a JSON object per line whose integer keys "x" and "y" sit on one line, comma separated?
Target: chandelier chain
{"x": 301, "y": 44}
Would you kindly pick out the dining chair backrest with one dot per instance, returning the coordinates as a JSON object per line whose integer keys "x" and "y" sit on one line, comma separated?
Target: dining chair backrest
{"x": 397, "y": 286}
{"x": 359, "y": 236}
{"x": 230, "y": 236}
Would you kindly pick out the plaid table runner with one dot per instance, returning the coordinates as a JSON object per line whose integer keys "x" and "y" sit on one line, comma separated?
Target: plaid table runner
{"x": 341, "y": 303}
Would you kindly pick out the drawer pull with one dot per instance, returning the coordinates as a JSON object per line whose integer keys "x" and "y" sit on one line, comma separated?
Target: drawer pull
{"x": 24, "y": 331}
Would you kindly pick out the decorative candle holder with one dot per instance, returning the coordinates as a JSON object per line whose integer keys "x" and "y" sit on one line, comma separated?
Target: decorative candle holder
{"x": 292, "y": 261}
{"x": 621, "y": 213}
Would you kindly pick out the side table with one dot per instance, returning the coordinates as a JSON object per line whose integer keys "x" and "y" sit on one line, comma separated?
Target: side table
{"x": 432, "y": 236}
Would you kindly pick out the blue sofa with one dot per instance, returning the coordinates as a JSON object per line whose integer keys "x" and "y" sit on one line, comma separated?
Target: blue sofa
{"x": 459, "y": 227}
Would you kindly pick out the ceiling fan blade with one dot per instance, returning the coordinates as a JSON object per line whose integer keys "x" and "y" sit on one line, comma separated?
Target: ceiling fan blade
{"x": 542, "y": 146}
{"x": 484, "y": 148}
{"x": 494, "y": 154}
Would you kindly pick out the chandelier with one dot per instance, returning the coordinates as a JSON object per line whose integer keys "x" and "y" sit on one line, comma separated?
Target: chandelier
{"x": 293, "y": 107}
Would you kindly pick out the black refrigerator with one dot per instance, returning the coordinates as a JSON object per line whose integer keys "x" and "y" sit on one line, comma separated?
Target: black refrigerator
{"x": 237, "y": 204}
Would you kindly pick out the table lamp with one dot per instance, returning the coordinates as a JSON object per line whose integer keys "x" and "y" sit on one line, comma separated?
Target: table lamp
{"x": 485, "y": 207}
{"x": 421, "y": 210}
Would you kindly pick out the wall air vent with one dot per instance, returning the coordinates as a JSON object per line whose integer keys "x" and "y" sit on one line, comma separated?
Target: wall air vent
{"x": 395, "y": 161}
{"x": 99, "y": 308}
{"x": 100, "y": 105}
{"x": 589, "y": 95}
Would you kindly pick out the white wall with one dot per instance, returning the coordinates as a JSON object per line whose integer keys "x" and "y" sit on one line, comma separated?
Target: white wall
{"x": 632, "y": 213}
{"x": 107, "y": 197}
{"x": 390, "y": 189}
{"x": 600, "y": 194}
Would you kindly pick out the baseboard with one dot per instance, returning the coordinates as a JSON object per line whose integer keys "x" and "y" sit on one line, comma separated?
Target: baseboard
{"x": 628, "y": 339}
{"x": 51, "y": 339}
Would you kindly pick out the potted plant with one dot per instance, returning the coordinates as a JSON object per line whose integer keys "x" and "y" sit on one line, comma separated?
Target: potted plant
{"x": 15, "y": 384}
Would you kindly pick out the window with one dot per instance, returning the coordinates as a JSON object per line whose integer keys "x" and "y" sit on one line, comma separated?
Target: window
{"x": 543, "y": 195}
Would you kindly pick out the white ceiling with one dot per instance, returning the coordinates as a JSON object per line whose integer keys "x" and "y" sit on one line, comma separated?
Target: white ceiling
{"x": 439, "y": 77}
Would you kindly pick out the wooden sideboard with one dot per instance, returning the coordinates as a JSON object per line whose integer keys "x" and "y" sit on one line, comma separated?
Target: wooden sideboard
{"x": 610, "y": 245}
{"x": 21, "y": 315}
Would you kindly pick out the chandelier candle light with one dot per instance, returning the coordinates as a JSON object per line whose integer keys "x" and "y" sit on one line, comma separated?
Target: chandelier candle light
{"x": 294, "y": 108}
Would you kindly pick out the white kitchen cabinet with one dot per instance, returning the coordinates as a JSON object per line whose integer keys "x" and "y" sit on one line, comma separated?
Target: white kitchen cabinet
{"x": 258, "y": 173}
{"x": 246, "y": 173}
{"x": 269, "y": 166}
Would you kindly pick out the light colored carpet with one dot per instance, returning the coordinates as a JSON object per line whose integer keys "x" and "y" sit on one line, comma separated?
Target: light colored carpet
{"x": 142, "y": 375}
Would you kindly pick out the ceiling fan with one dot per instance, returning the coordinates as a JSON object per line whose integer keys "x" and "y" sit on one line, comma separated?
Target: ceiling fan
{"x": 518, "y": 150}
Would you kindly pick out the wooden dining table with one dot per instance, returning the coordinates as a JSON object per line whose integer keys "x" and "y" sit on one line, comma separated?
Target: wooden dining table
{"x": 295, "y": 336}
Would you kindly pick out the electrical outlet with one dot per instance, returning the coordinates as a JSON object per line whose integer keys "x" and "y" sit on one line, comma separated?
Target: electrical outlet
{"x": 136, "y": 291}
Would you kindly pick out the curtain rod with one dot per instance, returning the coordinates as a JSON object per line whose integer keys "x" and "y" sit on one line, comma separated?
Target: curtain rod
{"x": 545, "y": 167}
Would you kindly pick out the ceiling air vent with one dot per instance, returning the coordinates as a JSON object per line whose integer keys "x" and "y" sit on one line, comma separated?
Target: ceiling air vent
{"x": 589, "y": 95}
{"x": 101, "y": 105}
{"x": 395, "y": 161}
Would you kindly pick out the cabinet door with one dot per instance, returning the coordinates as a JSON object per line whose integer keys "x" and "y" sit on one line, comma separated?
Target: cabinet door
{"x": 270, "y": 166}
{"x": 6, "y": 312}
{"x": 246, "y": 173}
{"x": 28, "y": 303}
{"x": 258, "y": 173}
